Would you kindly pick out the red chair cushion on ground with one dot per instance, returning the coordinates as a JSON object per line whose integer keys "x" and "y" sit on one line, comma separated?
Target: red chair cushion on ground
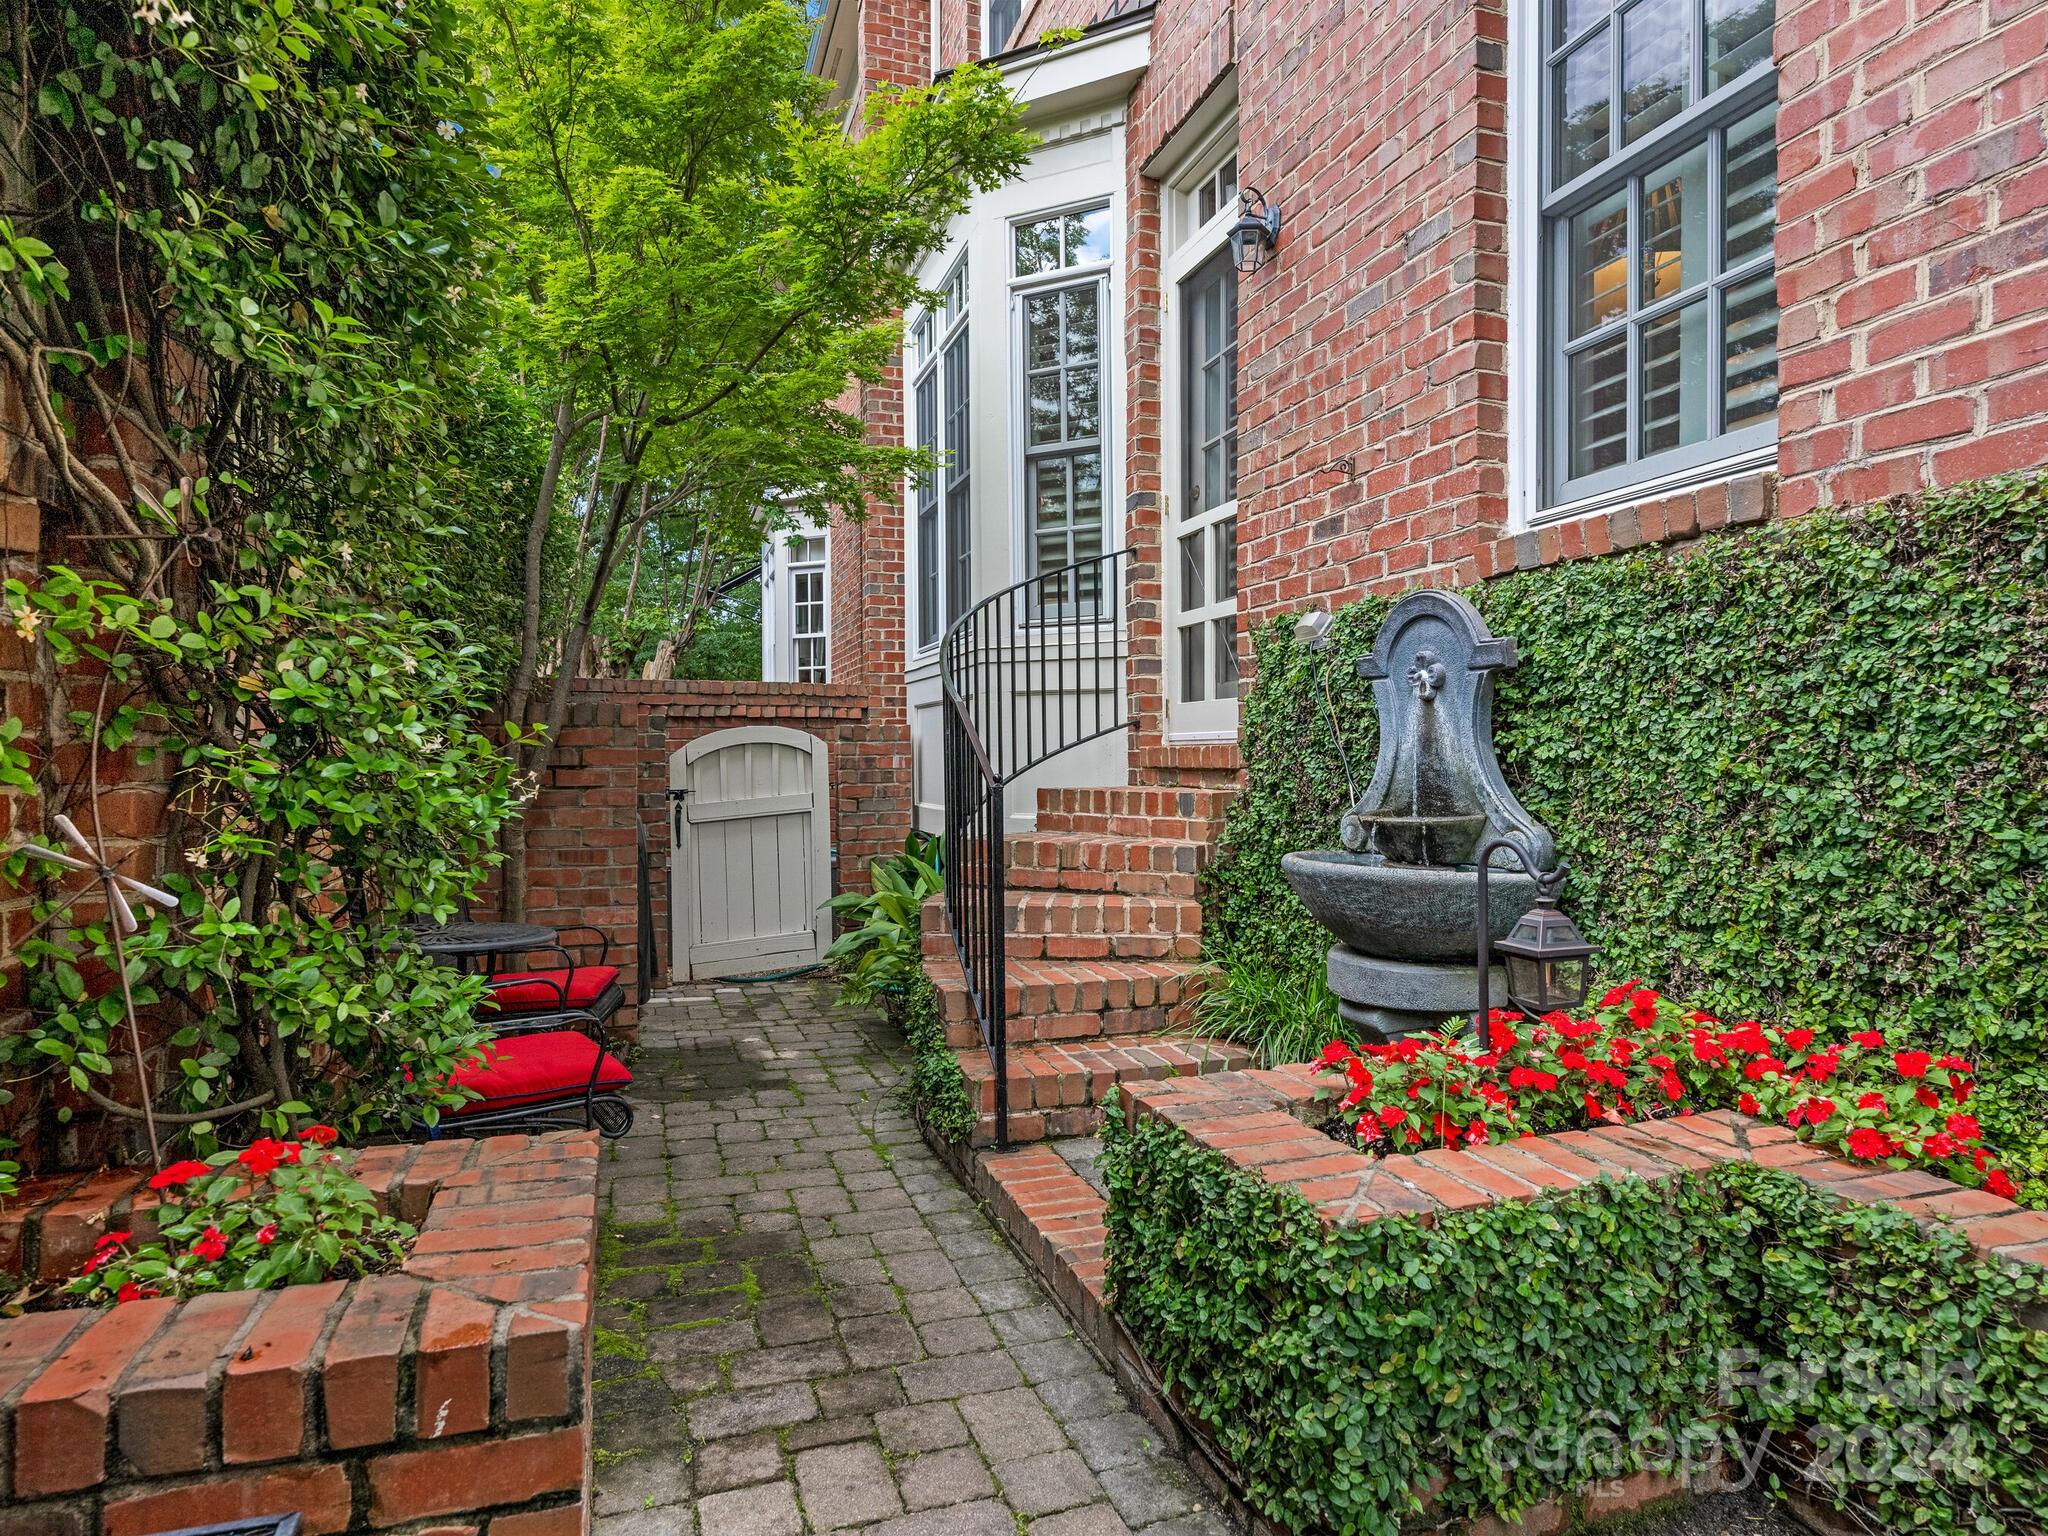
{"x": 554, "y": 1065}
{"x": 540, "y": 991}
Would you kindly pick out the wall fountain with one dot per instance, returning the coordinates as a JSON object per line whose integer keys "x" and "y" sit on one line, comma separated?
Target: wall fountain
{"x": 1401, "y": 896}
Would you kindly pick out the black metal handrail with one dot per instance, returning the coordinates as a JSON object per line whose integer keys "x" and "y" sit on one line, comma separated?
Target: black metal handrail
{"x": 1034, "y": 671}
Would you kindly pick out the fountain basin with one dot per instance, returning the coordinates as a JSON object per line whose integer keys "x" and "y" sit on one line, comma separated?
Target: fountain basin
{"x": 1405, "y": 911}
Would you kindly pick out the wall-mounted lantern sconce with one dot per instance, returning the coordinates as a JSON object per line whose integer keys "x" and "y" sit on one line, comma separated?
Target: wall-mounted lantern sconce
{"x": 1256, "y": 232}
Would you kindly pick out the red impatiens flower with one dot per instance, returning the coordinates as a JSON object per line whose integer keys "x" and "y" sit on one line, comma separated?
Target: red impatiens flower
{"x": 1798, "y": 1039}
{"x": 1392, "y": 1115}
{"x": 1531, "y": 1077}
{"x": 267, "y": 1233}
{"x": 1812, "y": 1112}
{"x": 179, "y": 1173}
{"x": 2000, "y": 1183}
{"x": 1748, "y": 1104}
{"x": 1869, "y": 1039}
{"x": 320, "y": 1135}
{"x": 108, "y": 1239}
{"x": 1927, "y": 1097}
{"x": 1642, "y": 1009}
{"x": 1868, "y": 1143}
{"x": 1940, "y": 1144}
{"x": 1871, "y": 1101}
{"x": 1334, "y": 1054}
{"x": 133, "y": 1292}
{"x": 1616, "y": 995}
{"x": 1912, "y": 1063}
{"x": 263, "y": 1156}
{"x": 1964, "y": 1127}
{"x": 212, "y": 1246}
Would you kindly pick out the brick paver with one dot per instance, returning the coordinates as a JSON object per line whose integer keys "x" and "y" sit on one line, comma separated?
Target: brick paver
{"x": 808, "y": 1326}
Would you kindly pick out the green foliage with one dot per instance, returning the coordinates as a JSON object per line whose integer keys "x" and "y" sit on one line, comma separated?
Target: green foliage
{"x": 277, "y": 1213}
{"x": 1284, "y": 1014}
{"x": 1523, "y": 1350}
{"x": 880, "y": 951}
{"x": 1799, "y": 774}
{"x": 936, "y": 1088}
{"x": 356, "y": 792}
{"x": 282, "y": 189}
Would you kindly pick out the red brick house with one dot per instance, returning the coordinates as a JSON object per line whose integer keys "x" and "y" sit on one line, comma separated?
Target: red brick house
{"x": 1549, "y": 281}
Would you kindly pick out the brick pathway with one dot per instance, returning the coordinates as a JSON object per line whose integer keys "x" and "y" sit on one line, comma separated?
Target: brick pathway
{"x": 807, "y": 1326}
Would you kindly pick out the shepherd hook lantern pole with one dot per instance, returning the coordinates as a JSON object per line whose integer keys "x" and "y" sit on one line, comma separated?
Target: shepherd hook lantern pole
{"x": 1546, "y": 954}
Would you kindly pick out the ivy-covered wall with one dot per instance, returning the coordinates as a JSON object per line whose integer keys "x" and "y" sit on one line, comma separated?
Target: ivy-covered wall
{"x": 1500, "y": 1357}
{"x": 1799, "y": 773}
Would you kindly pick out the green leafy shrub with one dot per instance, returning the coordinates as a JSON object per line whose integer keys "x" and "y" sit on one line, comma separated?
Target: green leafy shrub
{"x": 1283, "y": 1013}
{"x": 936, "y": 1089}
{"x": 1522, "y": 1351}
{"x": 881, "y": 951}
{"x": 1801, "y": 774}
{"x": 275, "y": 1213}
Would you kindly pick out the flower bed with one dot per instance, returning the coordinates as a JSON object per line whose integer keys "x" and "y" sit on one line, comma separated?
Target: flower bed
{"x": 456, "y": 1386}
{"x": 1569, "y": 1324}
{"x": 1636, "y": 1054}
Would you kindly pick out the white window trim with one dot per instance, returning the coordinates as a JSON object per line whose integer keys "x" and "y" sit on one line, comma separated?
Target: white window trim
{"x": 795, "y": 568}
{"x": 1528, "y": 373}
{"x": 1209, "y": 722}
{"x": 1112, "y": 373}
{"x": 942, "y": 333}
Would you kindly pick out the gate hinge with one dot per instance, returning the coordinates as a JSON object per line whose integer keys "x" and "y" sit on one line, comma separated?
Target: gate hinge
{"x": 679, "y": 794}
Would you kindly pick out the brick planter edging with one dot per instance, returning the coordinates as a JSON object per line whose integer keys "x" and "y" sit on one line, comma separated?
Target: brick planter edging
{"x": 1264, "y": 1122}
{"x": 458, "y": 1387}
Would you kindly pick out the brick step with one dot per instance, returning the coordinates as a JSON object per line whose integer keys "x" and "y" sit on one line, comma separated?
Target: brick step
{"x": 1059, "y": 1089}
{"x": 1084, "y": 925}
{"x": 1090, "y": 861}
{"x": 1135, "y": 811}
{"x": 1050, "y": 1000}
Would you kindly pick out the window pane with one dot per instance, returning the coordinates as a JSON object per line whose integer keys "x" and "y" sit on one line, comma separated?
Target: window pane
{"x": 1044, "y": 405}
{"x": 1599, "y": 256}
{"x": 1193, "y": 572}
{"x": 1599, "y": 407}
{"x": 1738, "y": 36}
{"x": 1750, "y": 179}
{"x": 1675, "y": 226}
{"x": 1087, "y": 476}
{"x": 1083, "y": 331}
{"x": 1750, "y": 352}
{"x": 1571, "y": 17}
{"x": 1049, "y": 498}
{"x": 1193, "y": 673}
{"x": 1042, "y": 330}
{"x": 928, "y": 575}
{"x": 1656, "y": 65}
{"x": 1674, "y": 406}
{"x": 1038, "y": 247}
{"x": 1226, "y": 558}
{"x": 1226, "y": 657}
{"x": 1087, "y": 237}
{"x": 1084, "y": 403}
{"x": 1581, "y": 111}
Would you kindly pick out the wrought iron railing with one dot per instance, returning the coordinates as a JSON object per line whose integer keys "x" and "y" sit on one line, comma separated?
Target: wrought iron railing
{"x": 1034, "y": 671}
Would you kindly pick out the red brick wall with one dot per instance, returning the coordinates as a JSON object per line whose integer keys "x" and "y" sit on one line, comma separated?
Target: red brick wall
{"x": 959, "y": 31}
{"x": 611, "y": 773}
{"x": 1912, "y": 244}
{"x": 458, "y": 1388}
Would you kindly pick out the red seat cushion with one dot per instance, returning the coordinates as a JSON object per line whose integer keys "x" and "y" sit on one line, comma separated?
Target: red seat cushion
{"x": 534, "y": 1067}
{"x": 539, "y": 991}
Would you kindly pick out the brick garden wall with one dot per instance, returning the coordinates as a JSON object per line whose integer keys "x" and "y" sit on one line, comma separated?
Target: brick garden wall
{"x": 452, "y": 1396}
{"x": 611, "y": 774}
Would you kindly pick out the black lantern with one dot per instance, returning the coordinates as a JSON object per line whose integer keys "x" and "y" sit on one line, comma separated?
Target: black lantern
{"x": 1545, "y": 955}
{"x": 1256, "y": 232}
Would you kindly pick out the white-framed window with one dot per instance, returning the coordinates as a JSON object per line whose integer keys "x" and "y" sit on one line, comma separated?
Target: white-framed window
{"x": 942, "y": 503}
{"x": 808, "y": 647}
{"x": 998, "y": 21}
{"x": 1060, "y": 288}
{"x": 1200, "y": 530}
{"x": 1645, "y": 132}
